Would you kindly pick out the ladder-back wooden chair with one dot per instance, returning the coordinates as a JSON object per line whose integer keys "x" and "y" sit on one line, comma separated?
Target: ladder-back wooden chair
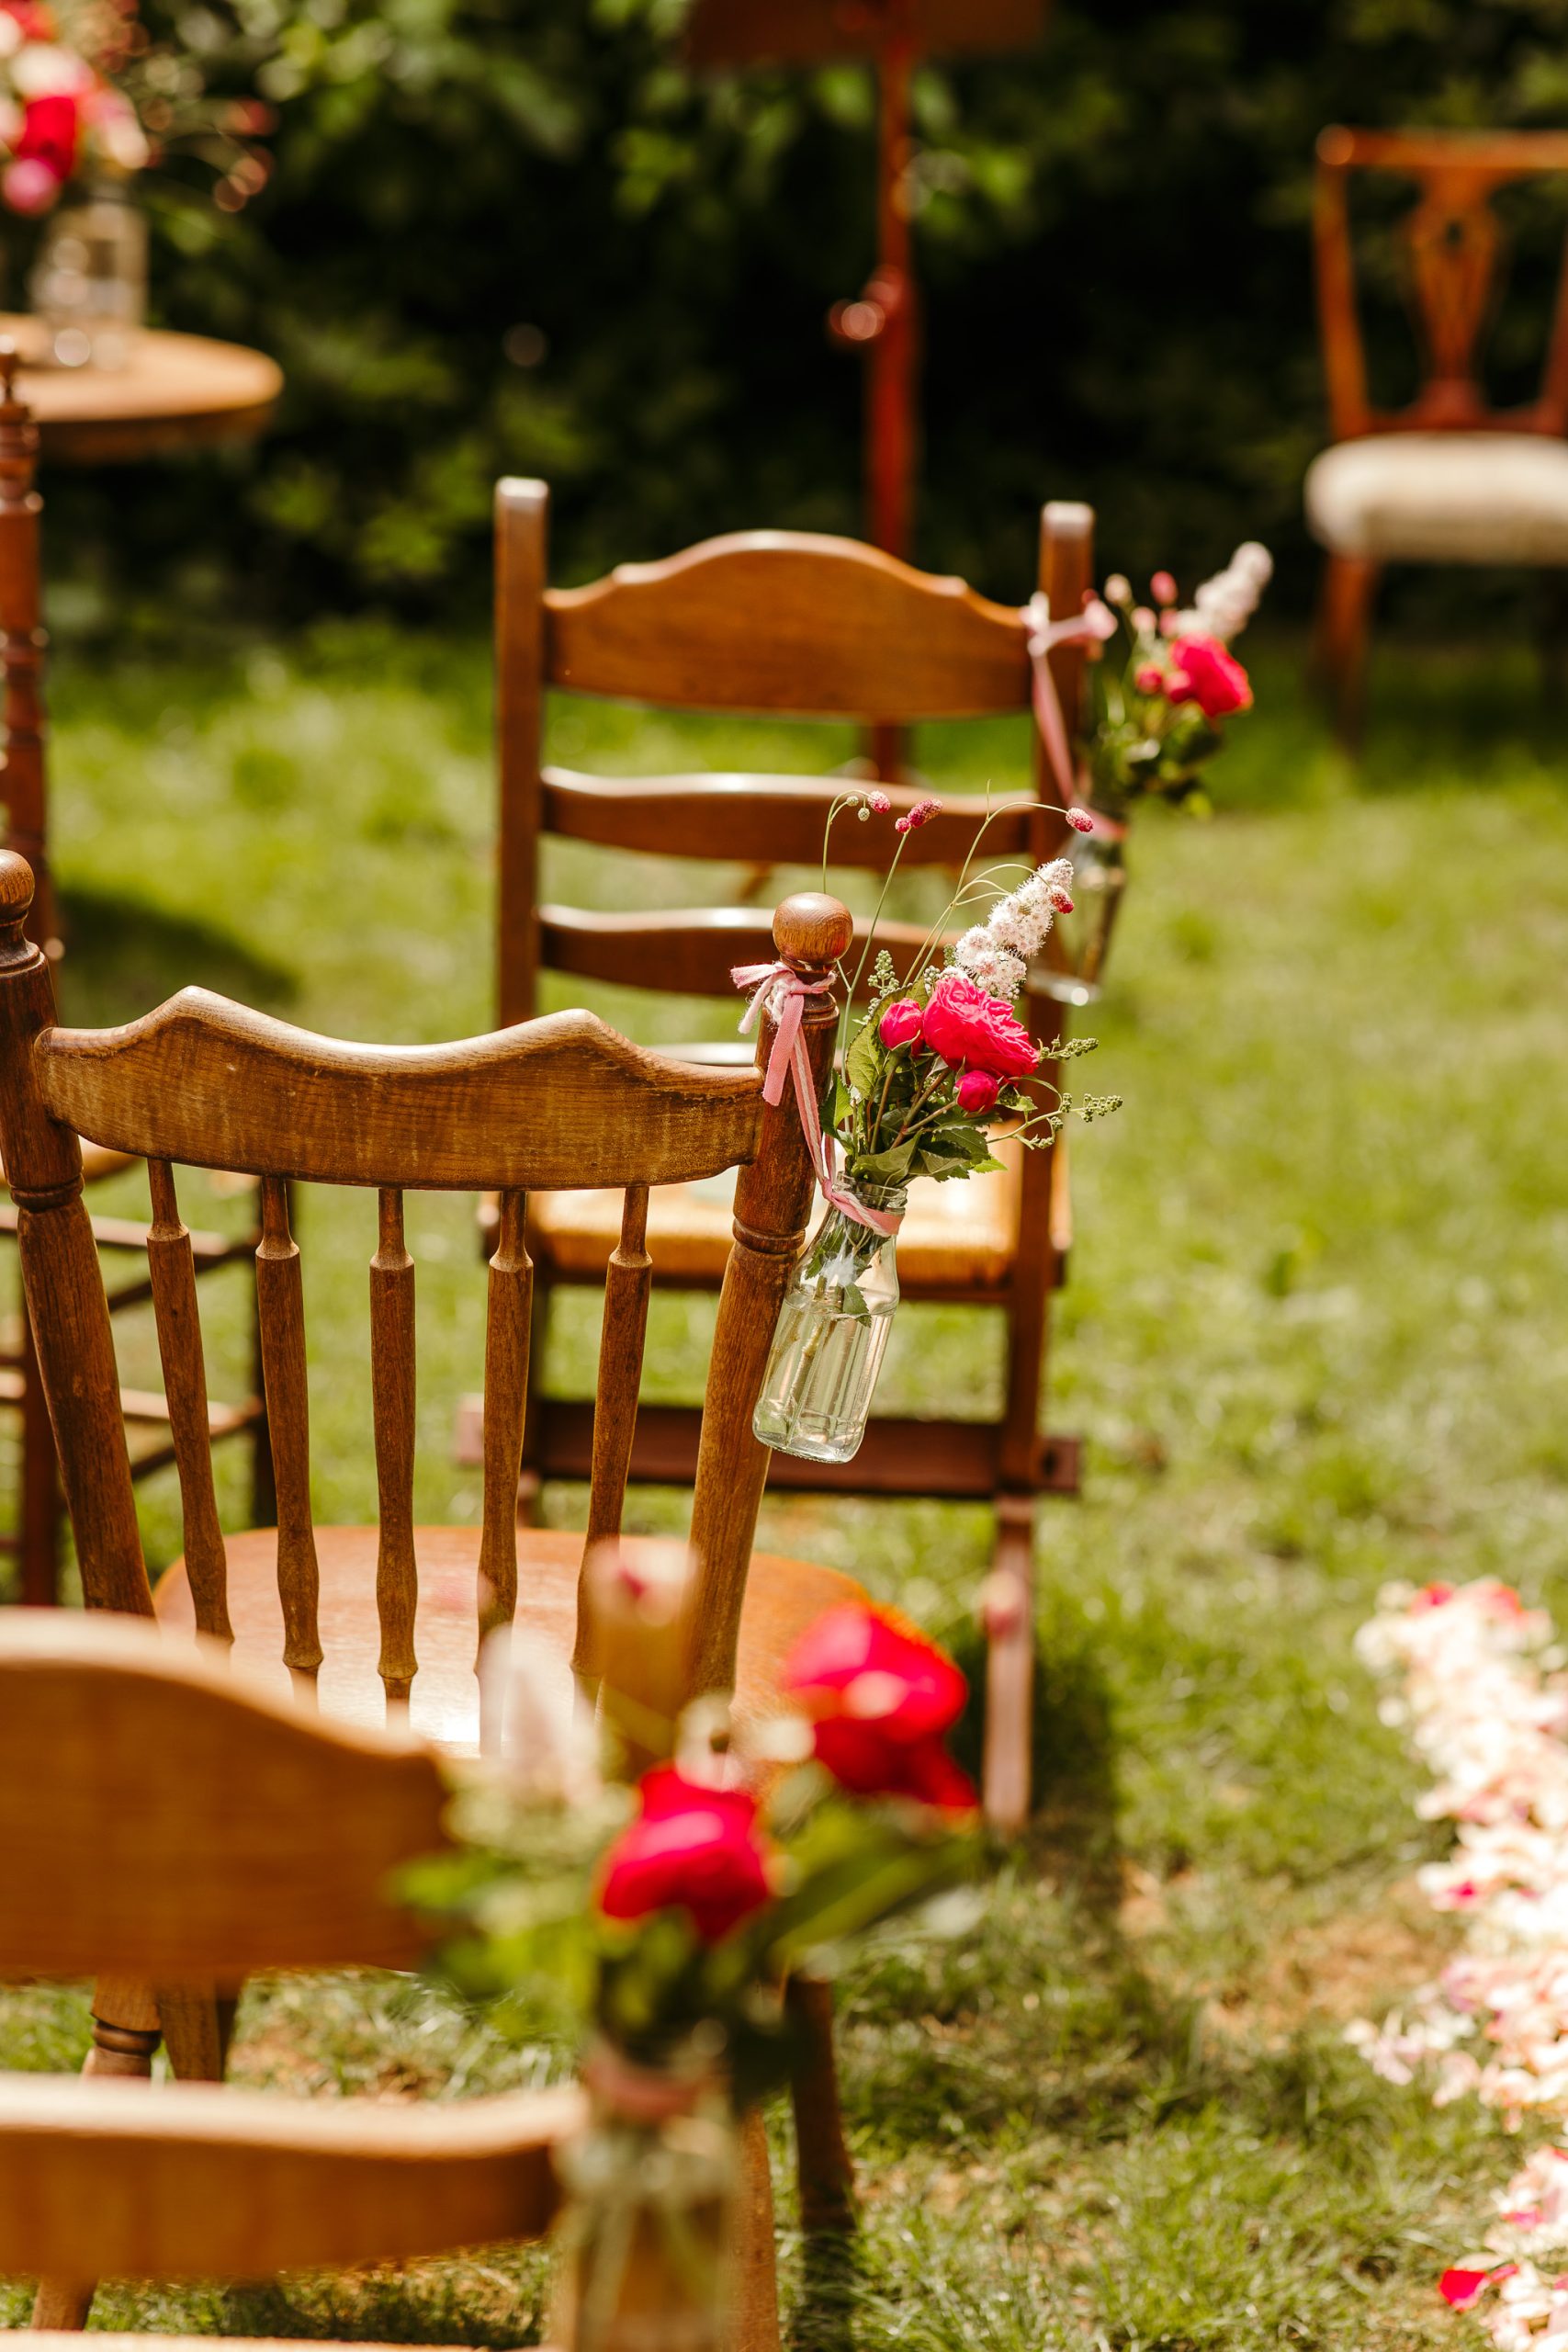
{"x": 190, "y": 1827}
{"x": 1450, "y": 478}
{"x": 787, "y": 624}
{"x": 36, "y": 1542}
{"x": 555, "y": 1103}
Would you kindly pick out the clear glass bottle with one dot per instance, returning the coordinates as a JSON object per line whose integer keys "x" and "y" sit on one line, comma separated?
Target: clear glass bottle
{"x": 648, "y": 2235}
{"x": 832, "y": 1333}
{"x": 89, "y": 283}
{"x": 1100, "y": 876}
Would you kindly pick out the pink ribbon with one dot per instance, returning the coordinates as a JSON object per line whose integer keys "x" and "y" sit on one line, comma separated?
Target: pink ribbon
{"x": 1092, "y": 627}
{"x": 785, "y": 992}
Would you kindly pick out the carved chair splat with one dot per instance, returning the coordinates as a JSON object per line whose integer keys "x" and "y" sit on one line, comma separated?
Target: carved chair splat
{"x": 1463, "y": 481}
{"x": 553, "y": 1102}
{"x": 784, "y": 623}
{"x": 25, "y": 791}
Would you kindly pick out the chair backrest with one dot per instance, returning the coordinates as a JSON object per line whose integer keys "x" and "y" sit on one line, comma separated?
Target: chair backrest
{"x": 1454, "y": 245}
{"x": 770, "y": 622}
{"x": 162, "y": 1819}
{"x": 557, "y": 1102}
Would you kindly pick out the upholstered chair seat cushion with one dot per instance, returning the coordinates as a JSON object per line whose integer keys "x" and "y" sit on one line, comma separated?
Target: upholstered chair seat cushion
{"x": 1442, "y": 498}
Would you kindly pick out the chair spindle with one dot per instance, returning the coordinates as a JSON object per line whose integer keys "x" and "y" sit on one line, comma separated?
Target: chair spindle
{"x": 171, "y": 1268}
{"x": 392, "y": 1382}
{"x": 627, "y": 1281}
{"x": 281, "y": 1313}
{"x": 507, "y": 1320}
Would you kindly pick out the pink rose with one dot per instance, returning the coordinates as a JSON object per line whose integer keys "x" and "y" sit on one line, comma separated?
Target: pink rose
{"x": 1150, "y": 679}
{"x": 880, "y": 1696}
{"x": 1210, "y": 676}
{"x": 901, "y": 1025}
{"x": 966, "y": 1025}
{"x": 690, "y": 1849}
{"x": 977, "y": 1091}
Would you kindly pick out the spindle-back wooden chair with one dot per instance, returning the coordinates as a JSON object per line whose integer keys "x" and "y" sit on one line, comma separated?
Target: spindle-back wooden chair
{"x": 190, "y": 1826}
{"x": 784, "y": 623}
{"x": 36, "y": 1542}
{"x": 1463, "y": 481}
{"x": 557, "y": 1102}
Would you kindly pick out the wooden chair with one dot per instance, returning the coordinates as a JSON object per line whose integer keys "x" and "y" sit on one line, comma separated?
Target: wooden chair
{"x": 191, "y": 1827}
{"x": 36, "y": 1542}
{"x": 557, "y": 1102}
{"x": 780, "y": 622}
{"x": 1448, "y": 479}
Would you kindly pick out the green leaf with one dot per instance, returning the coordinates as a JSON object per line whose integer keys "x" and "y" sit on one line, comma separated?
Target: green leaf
{"x": 863, "y": 1060}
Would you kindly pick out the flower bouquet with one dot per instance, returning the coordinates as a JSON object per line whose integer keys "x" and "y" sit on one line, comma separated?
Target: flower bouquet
{"x": 85, "y": 95}
{"x": 670, "y": 1918}
{"x": 936, "y": 1059}
{"x": 1161, "y": 681}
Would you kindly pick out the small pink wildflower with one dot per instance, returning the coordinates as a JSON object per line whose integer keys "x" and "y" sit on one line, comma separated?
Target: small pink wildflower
{"x": 1080, "y": 820}
{"x": 917, "y": 816}
{"x": 1144, "y": 620}
{"x": 1059, "y": 899}
{"x": 879, "y": 803}
{"x": 1162, "y": 588}
{"x": 1149, "y": 679}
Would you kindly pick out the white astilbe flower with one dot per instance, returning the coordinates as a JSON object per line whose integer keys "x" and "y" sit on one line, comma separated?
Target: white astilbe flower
{"x": 1223, "y": 605}
{"x": 1484, "y": 1703}
{"x": 536, "y": 1721}
{"x": 983, "y": 959}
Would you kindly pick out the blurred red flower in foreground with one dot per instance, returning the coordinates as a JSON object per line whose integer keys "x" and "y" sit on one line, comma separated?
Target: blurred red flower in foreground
{"x": 690, "y": 1849}
{"x": 881, "y": 1698}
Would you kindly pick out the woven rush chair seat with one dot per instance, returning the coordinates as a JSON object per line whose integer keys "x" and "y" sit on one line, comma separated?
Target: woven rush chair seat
{"x": 783, "y": 1597}
{"x": 955, "y": 1239}
{"x": 1442, "y": 498}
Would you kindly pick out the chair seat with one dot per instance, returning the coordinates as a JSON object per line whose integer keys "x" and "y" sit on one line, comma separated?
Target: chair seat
{"x": 783, "y": 1597}
{"x": 1442, "y": 498}
{"x": 955, "y": 1237}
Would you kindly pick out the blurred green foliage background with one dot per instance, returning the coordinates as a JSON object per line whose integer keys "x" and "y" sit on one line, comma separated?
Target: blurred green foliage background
{"x": 515, "y": 235}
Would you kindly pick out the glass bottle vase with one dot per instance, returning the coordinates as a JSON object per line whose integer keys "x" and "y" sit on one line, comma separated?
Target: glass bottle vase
{"x": 832, "y": 1333}
{"x": 649, "y": 2229}
{"x": 89, "y": 283}
{"x": 1083, "y": 938}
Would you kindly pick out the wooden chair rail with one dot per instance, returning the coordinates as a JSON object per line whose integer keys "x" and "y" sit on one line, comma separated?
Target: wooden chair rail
{"x": 194, "y": 2180}
{"x": 255, "y": 1836}
{"x": 566, "y": 1102}
{"x": 772, "y": 820}
{"x": 686, "y": 951}
{"x": 845, "y": 632}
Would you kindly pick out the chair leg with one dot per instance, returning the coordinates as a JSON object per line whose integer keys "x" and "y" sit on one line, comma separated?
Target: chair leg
{"x": 1009, "y": 1668}
{"x": 42, "y": 1512}
{"x": 824, "y": 2168}
{"x": 755, "y": 2325}
{"x": 198, "y": 2025}
{"x": 126, "y": 2034}
{"x": 1344, "y": 613}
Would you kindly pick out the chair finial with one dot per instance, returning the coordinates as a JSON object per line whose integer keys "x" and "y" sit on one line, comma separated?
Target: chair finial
{"x": 812, "y": 928}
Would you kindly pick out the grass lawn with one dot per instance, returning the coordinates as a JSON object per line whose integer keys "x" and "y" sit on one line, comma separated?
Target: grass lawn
{"x": 1314, "y": 1338}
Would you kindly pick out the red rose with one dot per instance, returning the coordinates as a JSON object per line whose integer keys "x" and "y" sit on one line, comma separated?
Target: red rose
{"x": 49, "y": 130}
{"x": 690, "y": 1849}
{"x": 1202, "y": 670}
{"x": 880, "y": 1697}
{"x": 901, "y": 1025}
{"x": 966, "y": 1024}
{"x": 977, "y": 1091}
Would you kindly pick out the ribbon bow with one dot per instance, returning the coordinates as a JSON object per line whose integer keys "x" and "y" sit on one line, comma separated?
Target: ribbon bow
{"x": 1092, "y": 627}
{"x": 784, "y": 991}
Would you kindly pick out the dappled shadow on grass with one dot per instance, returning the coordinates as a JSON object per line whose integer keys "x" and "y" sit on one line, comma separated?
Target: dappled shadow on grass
{"x": 124, "y": 955}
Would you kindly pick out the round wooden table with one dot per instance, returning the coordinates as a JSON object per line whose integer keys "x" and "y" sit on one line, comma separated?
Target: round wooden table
{"x": 178, "y": 392}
